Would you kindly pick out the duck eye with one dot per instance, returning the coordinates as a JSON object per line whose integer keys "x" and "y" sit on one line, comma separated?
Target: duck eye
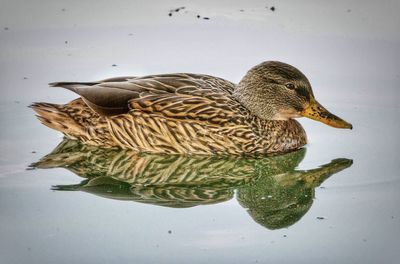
{"x": 290, "y": 86}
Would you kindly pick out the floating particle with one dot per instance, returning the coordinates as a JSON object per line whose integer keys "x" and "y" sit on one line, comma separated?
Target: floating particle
{"x": 320, "y": 217}
{"x": 6, "y": 28}
{"x": 114, "y": 65}
{"x": 170, "y": 14}
{"x": 206, "y": 18}
{"x": 272, "y": 8}
{"x": 25, "y": 78}
{"x": 198, "y": 16}
{"x": 169, "y": 231}
{"x": 63, "y": 10}
{"x": 66, "y": 42}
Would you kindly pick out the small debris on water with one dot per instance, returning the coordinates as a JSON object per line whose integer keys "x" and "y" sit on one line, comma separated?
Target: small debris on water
{"x": 348, "y": 10}
{"x": 176, "y": 10}
{"x": 320, "y": 217}
{"x": 66, "y": 42}
{"x": 206, "y": 18}
{"x": 25, "y": 78}
{"x": 241, "y": 10}
{"x": 284, "y": 235}
{"x": 272, "y": 8}
{"x": 6, "y": 28}
{"x": 63, "y": 10}
{"x": 33, "y": 151}
{"x": 114, "y": 65}
{"x": 169, "y": 231}
{"x": 198, "y": 16}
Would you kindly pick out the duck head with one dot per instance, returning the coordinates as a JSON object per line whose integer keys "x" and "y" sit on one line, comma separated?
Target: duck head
{"x": 274, "y": 90}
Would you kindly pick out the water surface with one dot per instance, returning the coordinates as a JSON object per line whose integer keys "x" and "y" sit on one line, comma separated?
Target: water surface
{"x": 335, "y": 201}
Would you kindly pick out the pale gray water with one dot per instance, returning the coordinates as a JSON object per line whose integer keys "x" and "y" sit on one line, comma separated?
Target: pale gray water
{"x": 352, "y": 59}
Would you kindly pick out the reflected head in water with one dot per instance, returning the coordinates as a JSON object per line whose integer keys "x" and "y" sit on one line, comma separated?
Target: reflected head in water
{"x": 275, "y": 194}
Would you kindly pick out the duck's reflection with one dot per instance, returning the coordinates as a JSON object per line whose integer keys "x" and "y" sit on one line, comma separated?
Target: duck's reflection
{"x": 273, "y": 192}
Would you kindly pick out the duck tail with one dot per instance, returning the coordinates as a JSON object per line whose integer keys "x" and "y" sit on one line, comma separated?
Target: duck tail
{"x": 57, "y": 117}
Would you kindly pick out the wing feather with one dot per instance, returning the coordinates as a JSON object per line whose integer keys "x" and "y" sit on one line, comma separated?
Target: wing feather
{"x": 181, "y": 96}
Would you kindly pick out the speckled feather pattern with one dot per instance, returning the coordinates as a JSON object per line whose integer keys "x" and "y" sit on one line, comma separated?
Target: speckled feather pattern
{"x": 171, "y": 113}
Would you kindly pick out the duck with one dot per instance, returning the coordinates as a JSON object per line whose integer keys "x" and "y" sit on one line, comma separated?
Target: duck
{"x": 186, "y": 113}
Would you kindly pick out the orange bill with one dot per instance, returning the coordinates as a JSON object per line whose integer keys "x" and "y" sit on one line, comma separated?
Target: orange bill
{"x": 317, "y": 112}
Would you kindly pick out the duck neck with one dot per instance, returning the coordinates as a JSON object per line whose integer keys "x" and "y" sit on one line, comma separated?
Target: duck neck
{"x": 248, "y": 92}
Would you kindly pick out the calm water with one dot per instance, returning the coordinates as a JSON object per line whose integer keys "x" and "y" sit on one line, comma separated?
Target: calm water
{"x": 335, "y": 201}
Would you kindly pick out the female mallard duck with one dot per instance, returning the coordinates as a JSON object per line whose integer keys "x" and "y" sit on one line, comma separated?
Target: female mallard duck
{"x": 192, "y": 113}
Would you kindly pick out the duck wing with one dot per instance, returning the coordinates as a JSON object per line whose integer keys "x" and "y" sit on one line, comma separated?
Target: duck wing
{"x": 180, "y": 96}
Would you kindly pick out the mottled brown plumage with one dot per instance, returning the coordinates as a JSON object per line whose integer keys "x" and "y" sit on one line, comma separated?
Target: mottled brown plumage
{"x": 188, "y": 113}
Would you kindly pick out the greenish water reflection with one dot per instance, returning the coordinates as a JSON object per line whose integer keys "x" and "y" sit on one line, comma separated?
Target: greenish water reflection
{"x": 275, "y": 194}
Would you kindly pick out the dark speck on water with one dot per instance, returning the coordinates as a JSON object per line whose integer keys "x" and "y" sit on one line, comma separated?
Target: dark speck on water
{"x": 206, "y": 18}
{"x": 169, "y": 231}
{"x": 33, "y": 151}
{"x": 66, "y": 42}
{"x": 272, "y": 8}
{"x": 198, "y": 16}
{"x": 114, "y": 65}
{"x": 6, "y": 28}
{"x": 63, "y": 10}
{"x": 25, "y": 78}
{"x": 284, "y": 235}
{"x": 320, "y": 218}
{"x": 176, "y": 10}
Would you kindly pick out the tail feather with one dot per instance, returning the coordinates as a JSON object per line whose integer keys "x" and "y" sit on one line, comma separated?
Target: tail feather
{"x": 55, "y": 117}
{"x": 76, "y": 121}
{"x": 69, "y": 84}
